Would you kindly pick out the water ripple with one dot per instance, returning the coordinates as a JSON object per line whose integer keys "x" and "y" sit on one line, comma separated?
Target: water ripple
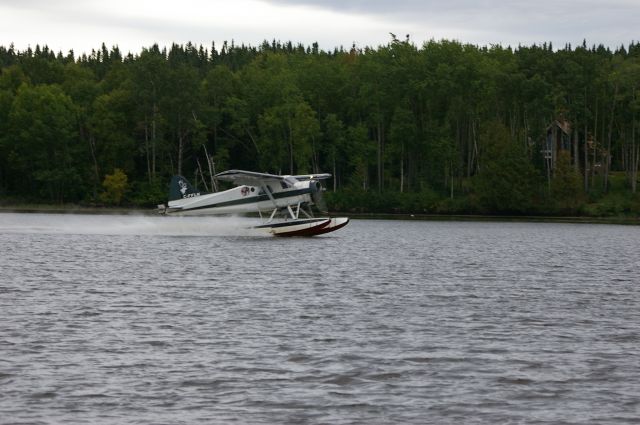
{"x": 117, "y": 319}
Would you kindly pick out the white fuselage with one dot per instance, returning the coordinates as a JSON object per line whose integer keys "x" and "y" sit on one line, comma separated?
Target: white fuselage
{"x": 243, "y": 199}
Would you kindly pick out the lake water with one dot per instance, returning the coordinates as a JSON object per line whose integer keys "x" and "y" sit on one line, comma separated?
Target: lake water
{"x": 114, "y": 319}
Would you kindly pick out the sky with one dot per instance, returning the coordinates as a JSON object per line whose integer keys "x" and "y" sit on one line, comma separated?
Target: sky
{"x": 83, "y": 25}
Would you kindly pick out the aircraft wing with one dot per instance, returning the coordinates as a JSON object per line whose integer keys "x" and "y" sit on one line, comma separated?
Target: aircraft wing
{"x": 249, "y": 178}
{"x": 312, "y": 176}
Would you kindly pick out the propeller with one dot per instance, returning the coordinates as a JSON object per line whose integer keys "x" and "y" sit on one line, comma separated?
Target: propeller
{"x": 316, "y": 196}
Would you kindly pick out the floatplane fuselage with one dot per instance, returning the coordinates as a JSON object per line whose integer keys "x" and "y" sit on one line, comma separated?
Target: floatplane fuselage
{"x": 283, "y": 202}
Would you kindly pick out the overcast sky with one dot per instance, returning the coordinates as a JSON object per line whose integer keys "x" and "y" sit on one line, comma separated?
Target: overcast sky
{"x": 132, "y": 24}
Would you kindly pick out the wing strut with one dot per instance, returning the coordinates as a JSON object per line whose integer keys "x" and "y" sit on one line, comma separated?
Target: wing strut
{"x": 273, "y": 214}
{"x": 293, "y": 216}
{"x": 268, "y": 192}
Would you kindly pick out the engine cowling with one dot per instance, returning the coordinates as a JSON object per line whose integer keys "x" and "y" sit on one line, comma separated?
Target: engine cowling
{"x": 316, "y": 195}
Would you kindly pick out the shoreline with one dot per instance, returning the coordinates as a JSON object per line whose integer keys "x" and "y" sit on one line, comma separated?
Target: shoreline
{"x": 498, "y": 218}
{"x": 77, "y": 209}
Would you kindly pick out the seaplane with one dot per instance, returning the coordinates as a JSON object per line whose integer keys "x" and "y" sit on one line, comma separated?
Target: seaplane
{"x": 283, "y": 202}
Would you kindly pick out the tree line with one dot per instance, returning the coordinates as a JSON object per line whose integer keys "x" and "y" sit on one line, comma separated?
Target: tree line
{"x": 440, "y": 127}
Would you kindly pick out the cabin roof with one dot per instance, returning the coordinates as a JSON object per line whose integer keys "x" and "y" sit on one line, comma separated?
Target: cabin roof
{"x": 563, "y": 125}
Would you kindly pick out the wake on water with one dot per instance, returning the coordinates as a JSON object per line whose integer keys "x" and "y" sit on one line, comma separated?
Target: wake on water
{"x": 108, "y": 224}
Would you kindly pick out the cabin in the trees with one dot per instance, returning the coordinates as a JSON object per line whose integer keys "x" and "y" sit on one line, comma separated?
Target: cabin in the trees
{"x": 558, "y": 139}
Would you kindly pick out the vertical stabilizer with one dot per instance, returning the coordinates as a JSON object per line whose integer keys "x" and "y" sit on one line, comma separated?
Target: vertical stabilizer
{"x": 180, "y": 188}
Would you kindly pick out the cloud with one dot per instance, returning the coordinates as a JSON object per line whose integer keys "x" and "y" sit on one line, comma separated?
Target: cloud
{"x": 132, "y": 24}
{"x": 612, "y": 23}
{"x": 83, "y": 25}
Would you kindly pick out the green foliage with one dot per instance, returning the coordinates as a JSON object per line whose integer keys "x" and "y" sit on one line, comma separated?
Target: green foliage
{"x": 41, "y": 144}
{"x": 444, "y": 127}
{"x": 614, "y": 204}
{"x": 145, "y": 194}
{"x": 506, "y": 181}
{"x": 115, "y": 186}
{"x": 566, "y": 186}
{"x": 360, "y": 201}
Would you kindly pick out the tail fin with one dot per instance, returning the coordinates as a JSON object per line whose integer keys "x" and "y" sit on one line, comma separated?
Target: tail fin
{"x": 180, "y": 188}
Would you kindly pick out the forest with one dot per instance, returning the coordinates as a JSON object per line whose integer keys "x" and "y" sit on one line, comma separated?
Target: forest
{"x": 443, "y": 127}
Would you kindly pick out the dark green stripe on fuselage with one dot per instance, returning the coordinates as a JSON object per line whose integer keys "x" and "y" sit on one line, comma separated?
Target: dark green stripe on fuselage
{"x": 253, "y": 199}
